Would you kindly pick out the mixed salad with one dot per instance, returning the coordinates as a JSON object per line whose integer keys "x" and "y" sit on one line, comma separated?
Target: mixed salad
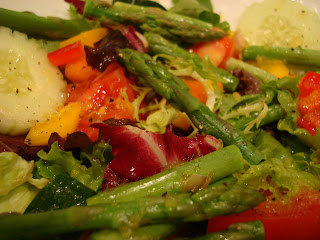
{"x": 135, "y": 121}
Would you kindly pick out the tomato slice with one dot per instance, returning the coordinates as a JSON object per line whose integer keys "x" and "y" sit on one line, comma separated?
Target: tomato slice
{"x": 218, "y": 50}
{"x": 309, "y": 102}
{"x": 309, "y": 83}
{"x": 298, "y": 219}
{"x": 67, "y": 54}
{"x": 310, "y": 121}
{"x": 108, "y": 96}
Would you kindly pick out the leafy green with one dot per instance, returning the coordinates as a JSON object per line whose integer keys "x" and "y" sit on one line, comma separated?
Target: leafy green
{"x": 18, "y": 199}
{"x": 293, "y": 144}
{"x": 191, "y": 8}
{"x": 289, "y": 83}
{"x": 270, "y": 147}
{"x": 289, "y": 103}
{"x": 279, "y": 172}
{"x": 200, "y": 9}
{"x": 159, "y": 120}
{"x": 57, "y": 161}
{"x": 14, "y": 171}
{"x": 160, "y": 115}
{"x": 285, "y": 178}
{"x": 17, "y": 187}
{"x": 236, "y": 107}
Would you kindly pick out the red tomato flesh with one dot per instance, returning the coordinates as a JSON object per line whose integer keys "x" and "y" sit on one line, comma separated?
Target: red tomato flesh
{"x": 218, "y": 50}
{"x": 309, "y": 83}
{"x": 309, "y": 102}
{"x": 298, "y": 219}
{"x": 102, "y": 98}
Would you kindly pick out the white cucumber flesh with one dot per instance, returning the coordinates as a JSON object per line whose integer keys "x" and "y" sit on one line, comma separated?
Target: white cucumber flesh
{"x": 31, "y": 88}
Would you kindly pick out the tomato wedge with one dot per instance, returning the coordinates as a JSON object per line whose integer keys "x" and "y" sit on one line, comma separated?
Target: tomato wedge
{"x": 107, "y": 96}
{"x": 298, "y": 219}
{"x": 309, "y": 102}
{"x": 218, "y": 50}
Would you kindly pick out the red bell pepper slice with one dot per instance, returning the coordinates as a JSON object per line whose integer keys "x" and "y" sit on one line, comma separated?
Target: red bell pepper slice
{"x": 309, "y": 102}
{"x": 66, "y": 54}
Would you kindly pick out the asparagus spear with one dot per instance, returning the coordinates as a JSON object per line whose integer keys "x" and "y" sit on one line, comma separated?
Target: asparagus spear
{"x": 125, "y": 215}
{"x": 181, "y": 178}
{"x": 159, "y": 45}
{"x": 250, "y": 231}
{"x": 152, "y": 232}
{"x": 168, "y": 24}
{"x": 48, "y": 27}
{"x": 299, "y": 56}
{"x": 264, "y": 76}
{"x": 174, "y": 90}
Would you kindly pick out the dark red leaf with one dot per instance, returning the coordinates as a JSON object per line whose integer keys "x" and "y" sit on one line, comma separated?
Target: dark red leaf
{"x": 16, "y": 144}
{"x": 105, "y": 52}
{"x": 78, "y": 4}
{"x": 134, "y": 38}
{"x": 139, "y": 153}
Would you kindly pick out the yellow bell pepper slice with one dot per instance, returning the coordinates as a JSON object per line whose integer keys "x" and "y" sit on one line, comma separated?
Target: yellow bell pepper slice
{"x": 182, "y": 122}
{"x": 88, "y": 38}
{"x": 273, "y": 66}
{"x": 63, "y": 123}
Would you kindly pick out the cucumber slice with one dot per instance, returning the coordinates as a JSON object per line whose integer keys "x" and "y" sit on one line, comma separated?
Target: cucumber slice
{"x": 284, "y": 23}
{"x": 31, "y": 88}
{"x": 62, "y": 192}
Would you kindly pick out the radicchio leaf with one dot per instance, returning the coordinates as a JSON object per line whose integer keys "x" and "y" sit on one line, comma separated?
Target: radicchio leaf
{"x": 16, "y": 144}
{"x": 139, "y": 153}
{"x": 78, "y": 4}
{"x": 135, "y": 39}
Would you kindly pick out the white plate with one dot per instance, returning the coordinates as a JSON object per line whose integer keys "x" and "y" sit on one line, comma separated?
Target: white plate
{"x": 229, "y": 10}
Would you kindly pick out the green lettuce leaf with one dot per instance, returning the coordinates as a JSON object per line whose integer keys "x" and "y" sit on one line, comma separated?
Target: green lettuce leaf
{"x": 14, "y": 171}
{"x": 191, "y": 8}
{"x": 280, "y": 177}
{"x": 200, "y": 9}
{"x": 279, "y": 173}
{"x": 159, "y": 120}
{"x": 89, "y": 170}
{"x": 289, "y": 103}
{"x": 160, "y": 115}
{"x": 18, "y": 199}
{"x": 270, "y": 147}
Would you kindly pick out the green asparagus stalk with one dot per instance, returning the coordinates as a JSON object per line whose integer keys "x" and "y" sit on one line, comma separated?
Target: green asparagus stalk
{"x": 239, "y": 231}
{"x": 159, "y": 45}
{"x": 48, "y": 27}
{"x": 152, "y": 232}
{"x": 172, "y": 88}
{"x": 264, "y": 76}
{"x": 298, "y": 56}
{"x": 150, "y": 19}
{"x": 187, "y": 176}
{"x": 130, "y": 215}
